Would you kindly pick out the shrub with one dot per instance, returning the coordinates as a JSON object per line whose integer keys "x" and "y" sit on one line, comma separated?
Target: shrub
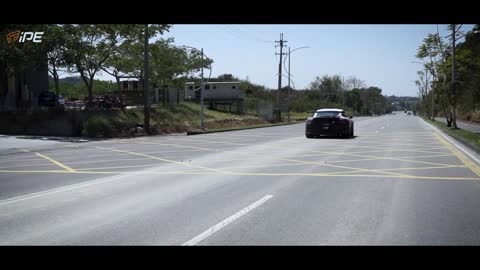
{"x": 97, "y": 126}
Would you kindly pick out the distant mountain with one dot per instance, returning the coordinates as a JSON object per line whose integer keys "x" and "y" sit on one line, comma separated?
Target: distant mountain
{"x": 402, "y": 99}
{"x": 402, "y": 103}
{"x": 69, "y": 80}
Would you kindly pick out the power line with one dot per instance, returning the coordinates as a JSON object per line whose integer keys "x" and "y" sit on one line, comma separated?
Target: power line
{"x": 242, "y": 34}
{"x": 233, "y": 33}
{"x": 251, "y": 35}
{"x": 281, "y": 41}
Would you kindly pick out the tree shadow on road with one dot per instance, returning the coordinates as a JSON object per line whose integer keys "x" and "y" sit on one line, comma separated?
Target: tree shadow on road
{"x": 49, "y": 138}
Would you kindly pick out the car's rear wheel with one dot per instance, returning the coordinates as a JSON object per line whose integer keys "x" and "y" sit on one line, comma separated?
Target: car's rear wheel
{"x": 308, "y": 136}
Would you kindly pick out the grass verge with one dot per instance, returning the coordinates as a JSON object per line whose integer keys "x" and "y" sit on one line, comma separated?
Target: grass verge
{"x": 240, "y": 128}
{"x": 169, "y": 119}
{"x": 470, "y": 138}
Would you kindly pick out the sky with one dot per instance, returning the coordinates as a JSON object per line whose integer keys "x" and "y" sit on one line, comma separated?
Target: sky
{"x": 380, "y": 55}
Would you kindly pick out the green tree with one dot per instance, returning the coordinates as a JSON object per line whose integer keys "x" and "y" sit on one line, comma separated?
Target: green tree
{"x": 54, "y": 42}
{"x": 330, "y": 87}
{"x": 92, "y": 45}
{"x": 174, "y": 65}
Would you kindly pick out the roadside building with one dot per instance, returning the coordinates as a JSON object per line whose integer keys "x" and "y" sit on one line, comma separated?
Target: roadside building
{"x": 132, "y": 93}
{"x": 223, "y": 96}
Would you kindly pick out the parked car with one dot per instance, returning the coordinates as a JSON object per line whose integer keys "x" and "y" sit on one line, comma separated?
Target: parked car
{"x": 107, "y": 101}
{"x": 331, "y": 122}
{"x": 61, "y": 100}
{"x": 49, "y": 99}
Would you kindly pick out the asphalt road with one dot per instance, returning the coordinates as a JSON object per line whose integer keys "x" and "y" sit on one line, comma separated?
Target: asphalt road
{"x": 398, "y": 182}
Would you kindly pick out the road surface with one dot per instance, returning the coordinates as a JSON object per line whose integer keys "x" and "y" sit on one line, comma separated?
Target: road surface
{"x": 398, "y": 182}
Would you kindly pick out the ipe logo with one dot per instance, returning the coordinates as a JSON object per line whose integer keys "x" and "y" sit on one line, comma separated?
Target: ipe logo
{"x": 24, "y": 36}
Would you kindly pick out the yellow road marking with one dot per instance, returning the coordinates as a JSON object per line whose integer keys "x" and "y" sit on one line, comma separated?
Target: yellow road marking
{"x": 375, "y": 143}
{"x": 105, "y": 160}
{"x": 469, "y": 163}
{"x": 352, "y": 171}
{"x": 259, "y": 174}
{"x": 377, "y": 158}
{"x": 399, "y": 139}
{"x": 425, "y": 168}
{"x": 229, "y": 143}
{"x": 163, "y": 159}
{"x": 388, "y": 144}
{"x": 126, "y": 154}
{"x": 342, "y": 153}
{"x": 385, "y": 158}
{"x": 346, "y": 160}
{"x": 342, "y": 167}
{"x": 417, "y": 148}
{"x": 430, "y": 156}
{"x": 121, "y": 167}
{"x": 396, "y": 150}
{"x": 56, "y": 162}
{"x": 263, "y": 166}
{"x": 380, "y": 149}
{"x": 181, "y": 146}
{"x": 117, "y": 167}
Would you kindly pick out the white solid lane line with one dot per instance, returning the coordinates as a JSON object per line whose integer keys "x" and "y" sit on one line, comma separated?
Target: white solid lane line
{"x": 66, "y": 188}
{"x": 226, "y": 221}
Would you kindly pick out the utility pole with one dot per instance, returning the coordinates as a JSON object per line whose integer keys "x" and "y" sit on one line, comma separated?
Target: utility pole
{"x": 146, "y": 108}
{"x": 288, "y": 98}
{"x": 343, "y": 92}
{"x": 280, "y": 75}
{"x": 201, "y": 96}
{"x": 454, "y": 92}
{"x": 426, "y": 91}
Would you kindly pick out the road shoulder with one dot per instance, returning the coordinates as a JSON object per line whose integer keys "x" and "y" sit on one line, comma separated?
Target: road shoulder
{"x": 461, "y": 144}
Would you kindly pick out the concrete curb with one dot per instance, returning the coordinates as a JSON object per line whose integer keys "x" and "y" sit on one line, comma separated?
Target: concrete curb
{"x": 460, "y": 140}
{"x": 236, "y": 129}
